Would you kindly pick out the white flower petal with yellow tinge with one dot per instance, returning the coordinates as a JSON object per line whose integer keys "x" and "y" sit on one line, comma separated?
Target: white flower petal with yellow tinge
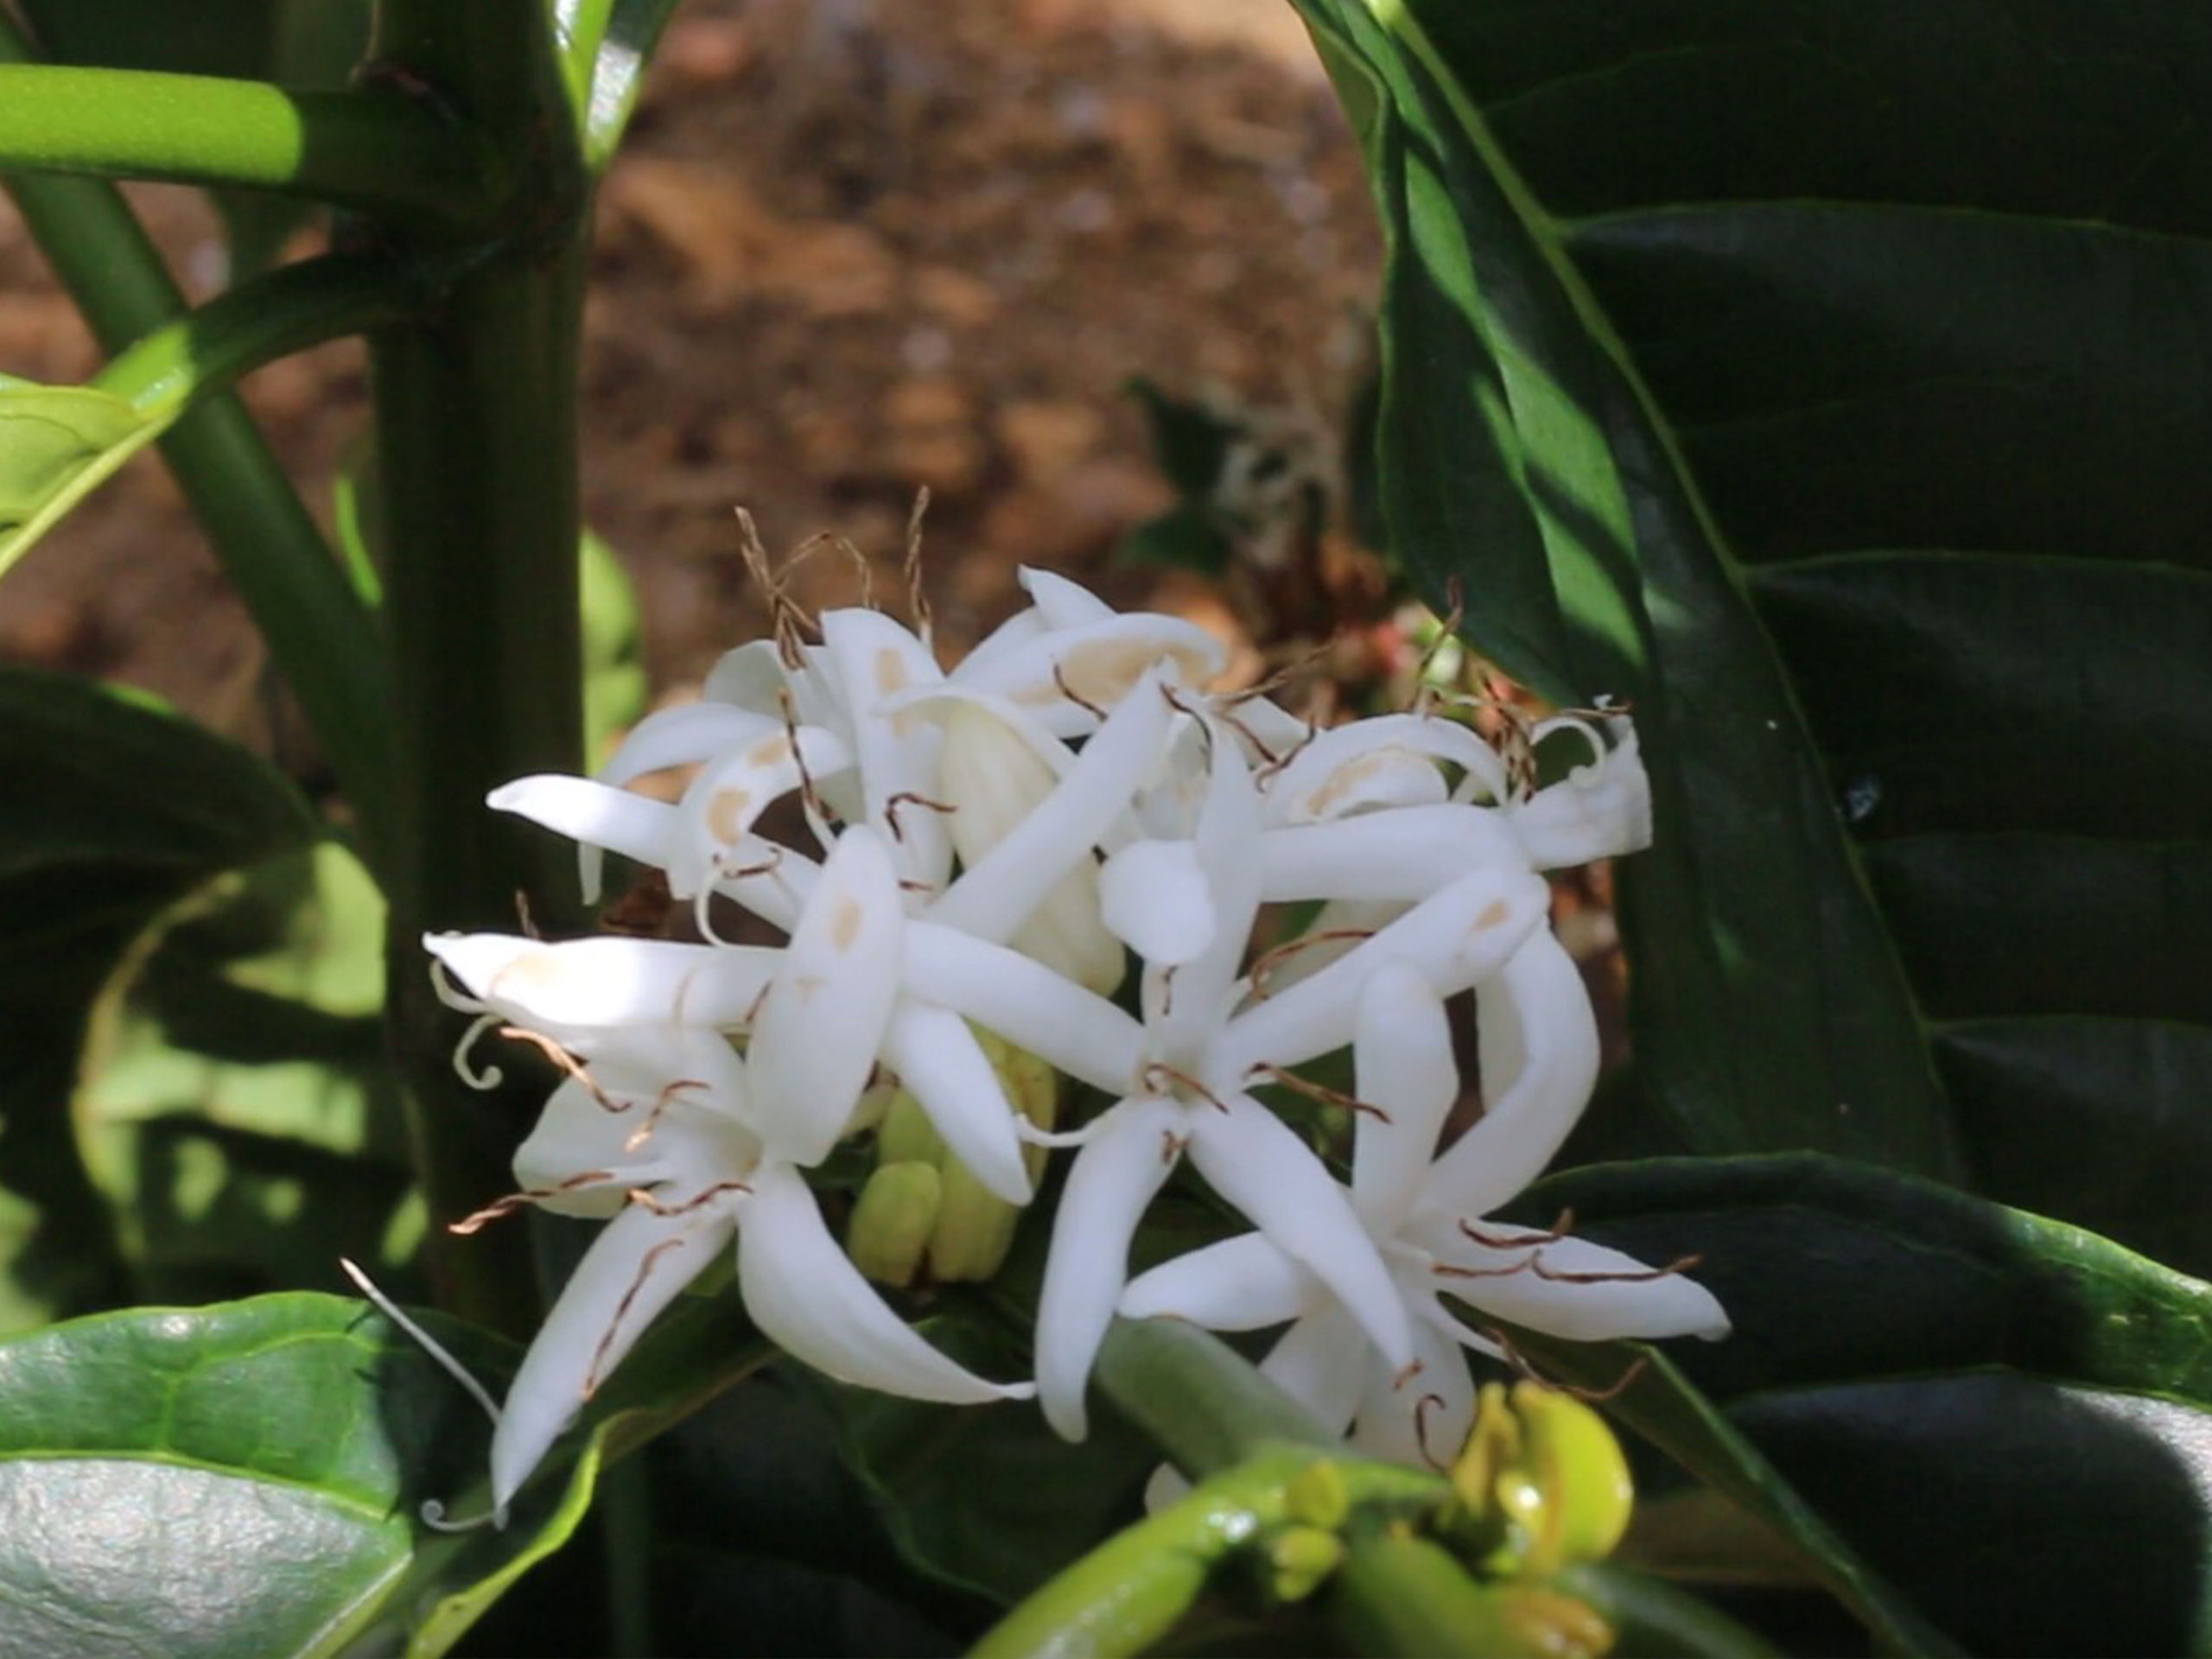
{"x": 634, "y": 1268}
{"x": 1422, "y": 1419}
{"x": 1112, "y": 1181}
{"x": 1401, "y": 1054}
{"x": 1538, "y": 1038}
{"x": 1586, "y": 1293}
{"x": 1322, "y": 1363}
{"x": 1244, "y": 1283}
{"x": 995, "y": 895}
{"x": 659, "y": 1106}
{"x": 1455, "y": 937}
{"x": 1403, "y": 854}
{"x": 719, "y": 809}
{"x": 597, "y": 815}
{"x": 1064, "y": 676}
{"x": 1390, "y": 760}
{"x": 1205, "y": 986}
{"x": 1070, "y": 1029}
{"x": 1154, "y": 895}
{"x": 1600, "y": 811}
{"x": 822, "y": 1024}
{"x": 603, "y": 983}
{"x": 804, "y": 1294}
{"x": 1061, "y": 603}
{"x": 1257, "y": 1161}
{"x": 874, "y": 660}
{"x": 940, "y": 1064}
{"x": 754, "y": 676}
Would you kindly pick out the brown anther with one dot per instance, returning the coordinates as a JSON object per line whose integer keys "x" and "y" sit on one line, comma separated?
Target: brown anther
{"x": 1267, "y": 774}
{"x": 785, "y": 617}
{"x": 907, "y": 885}
{"x": 621, "y": 1310}
{"x": 1519, "y": 1362}
{"x": 1406, "y": 1374}
{"x": 1267, "y": 961}
{"x": 767, "y": 866}
{"x": 662, "y": 1102}
{"x": 1068, "y": 691}
{"x": 808, "y": 799}
{"x": 568, "y": 1063}
{"x": 1149, "y": 1080}
{"x": 1561, "y": 1229}
{"x": 909, "y": 798}
{"x": 645, "y": 1200}
{"x": 514, "y": 1201}
{"x": 523, "y": 919}
{"x": 1267, "y": 759}
{"x": 917, "y": 603}
{"x": 1640, "y": 1276}
{"x": 753, "y": 1009}
{"x": 1446, "y": 1270}
{"x": 1422, "y": 1406}
{"x": 1321, "y": 1092}
{"x": 1171, "y": 1146}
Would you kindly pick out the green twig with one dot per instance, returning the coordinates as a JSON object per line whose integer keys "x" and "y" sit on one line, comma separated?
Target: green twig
{"x": 1200, "y": 1402}
{"x": 373, "y": 149}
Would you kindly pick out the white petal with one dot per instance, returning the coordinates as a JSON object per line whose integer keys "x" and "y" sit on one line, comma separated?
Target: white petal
{"x": 1064, "y": 675}
{"x": 1384, "y": 760}
{"x": 1070, "y": 1028}
{"x": 670, "y": 1109}
{"x": 1597, "y": 811}
{"x": 875, "y": 659}
{"x": 1422, "y": 1419}
{"x": 634, "y": 1270}
{"x": 802, "y": 1291}
{"x": 1152, "y": 895}
{"x": 1108, "y": 1188}
{"x": 1403, "y": 1066}
{"x": 600, "y": 983}
{"x": 1322, "y": 1363}
{"x": 720, "y": 806}
{"x": 1061, "y": 603}
{"x": 1253, "y": 1159}
{"x": 1244, "y": 1283}
{"x": 688, "y": 735}
{"x": 818, "y": 1032}
{"x": 1455, "y": 936}
{"x": 1624, "y": 1299}
{"x": 1406, "y": 854}
{"x": 940, "y": 1062}
{"x": 594, "y": 814}
{"x": 1538, "y": 1041}
{"x": 749, "y": 677}
{"x": 996, "y": 894}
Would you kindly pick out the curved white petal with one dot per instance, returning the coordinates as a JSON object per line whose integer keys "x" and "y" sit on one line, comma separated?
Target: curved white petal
{"x": 1421, "y": 1418}
{"x": 1402, "y": 1067}
{"x": 1154, "y": 896}
{"x": 601, "y": 983}
{"x": 1322, "y": 1363}
{"x": 1254, "y": 1160}
{"x": 819, "y": 1029}
{"x": 719, "y": 808}
{"x": 1108, "y": 1188}
{"x": 1072, "y": 1029}
{"x": 1406, "y": 854}
{"x": 1455, "y": 937}
{"x": 1061, "y": 603}
{"x": 688, "y": 735}
{"x": 1538, "y": 1040}
{"x": 1599, "y": 810}
{"x": 749, "y": 677}
{"x": 1064, "y": 676}
{"x": 874, "y": 660}
{"x": 940, "y": 1062}
{"x": 634, "y": 1270}
{"x": 1244, "y": 1283}
{"x": 1388, "y": 761}
{"x": 1584, "y": 1292}
{"x": 596, "y": 815}
{"x": 803, "y": 1290}
{"x": 1225, "y": 839}
{"x": 672, "y": 1110}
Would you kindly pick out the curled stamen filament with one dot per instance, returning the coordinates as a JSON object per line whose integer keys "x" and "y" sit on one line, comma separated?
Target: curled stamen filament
{"x": 1268, "y": 960}
{"x": 1321, "y": 1092}
{"x": 662, "y": 1102}
{"x": 621, "y": 1311}
{"x": 514, "y": 1201}
{"x": 1149, "y": 1081}
{"x": 1074, "y": 696}
{"x": 639, "y": 1196}
{"x": 1422, "y": 1406}
{"x": 1559, "y": 1230}
{"x": 576, "y": 1069}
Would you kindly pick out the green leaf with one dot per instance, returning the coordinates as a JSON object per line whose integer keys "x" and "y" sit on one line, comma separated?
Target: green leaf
{"x": 57, "y": 445}
{"x": 615, "y": 687}
{"x": 607, "y": 58}
{"x": 1975, "y": 1399}
{"x": 120, "y": 809}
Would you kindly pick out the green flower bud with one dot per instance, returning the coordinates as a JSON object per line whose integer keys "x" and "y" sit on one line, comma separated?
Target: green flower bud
{"x": 1300, "y": 1561}
{"x": 1317, "y": 1496}
{"x": 891, "y": 1222}
{"x": 1541, "y": 1483}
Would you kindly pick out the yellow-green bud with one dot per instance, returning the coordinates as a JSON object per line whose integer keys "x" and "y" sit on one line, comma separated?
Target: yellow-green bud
{"x": 893, "y": 1220}
{"x": 1300, "y": 1561}
{"x": 1541, "y": 1483}
{"x": 1317, "y": 1496}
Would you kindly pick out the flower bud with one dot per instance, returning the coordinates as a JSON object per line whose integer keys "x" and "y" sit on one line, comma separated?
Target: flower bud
{"x": 1541, "y": 1482}
{"x": 889, "y": 1234}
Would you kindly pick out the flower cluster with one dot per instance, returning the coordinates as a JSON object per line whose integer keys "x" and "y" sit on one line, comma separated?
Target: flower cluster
{"x": 986, "y": 854}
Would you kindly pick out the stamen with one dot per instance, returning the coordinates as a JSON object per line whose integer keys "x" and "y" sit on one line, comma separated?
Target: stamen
{"x": 514, "y": 1201}
{"x": 1640, "y": 1276}
{"x": 785, "y": 618}
{"x": 1422, "y": 1406}
{"x": 817, "y": 819}
{"x": 1070, "y": 693}
{"x": 637, "y": 1195}
{"x": 607, "y": 1337}
{"x": 909, "y": 798}
{"x": 917, "y": 603}
{"x": 1171, "y": 1147}
{"x": 567, "y": 1062}
{"x": 489, "y": 1076}
{"x": 1321, "y": 1092}
{"x": 1446, "y": 1270}
{"x": 1149, "y": 1080}
{"x": 523, "y": 918}
{"x": 662, "y": 1102}
{"x": 1561, "y": 1229}
{"x": 1268, "y": 961}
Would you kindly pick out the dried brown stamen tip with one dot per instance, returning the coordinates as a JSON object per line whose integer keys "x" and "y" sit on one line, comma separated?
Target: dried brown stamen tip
{"x": 1172, "y": 1145}
{"x": 1149, "y": 1080}
{"x": 1060, "y": 679}
{"x": 910, "y": 798}
{"x": 1267, "y": 774}
{"x": 917, "y": 603}
{"x": 907, "y": 885}
{"x": 853, "y": 556}
{"x": 1640, "y": 1276}
{"x": 524, "y": 921}
{"x": 662, "y": 1102}
{"x": 1282, "y": 676}
{"x": 1422, "y": 1406}
{"x": 753, "y": 1009}
{"x": 621, "y": 1311}
{"x": 1268, "y": 759}
{"x": 785, "y": 617}
{"x": 1561, "y": 1229}
{"x": 808, "y": 799}
{"x": 569, "y": 1062}
{"x": 1521, "y": 1365}
{"x": 1268, "y": 961}
{"x": 767, "y": 866}
{"x": 1321, "y": 1092}
{"x": 644, "y": 1199}
{"x": 514, "y": 1201}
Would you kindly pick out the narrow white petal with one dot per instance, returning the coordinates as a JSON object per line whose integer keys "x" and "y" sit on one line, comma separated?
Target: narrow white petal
{"x": 1538, "y": 1041}
{"x": 1599, "y": 810}
{"x": 1403, "y": 1067}
{"x": 1152, "y": 895}
{"x": 596, "y": 815}
{"x": 720, "y": 806}
{"x": 1226, "y": 838}
{"x": 1064, "y": 675}
{"x": 1421, "y": 1419}
{"x": 1585, "y": 1292}
{"x": 1385, "y": 760}
{"x": 1254, "y": 1160}
{"x": 875, "y": 659}
{"x": 748, "y": 676}
{"x": 945, "y": 1068}
{"x": 1322, "y": 1363}
{"x": 634, "y": 1270}
{"x": 688, "y": 735}
{"x": 818, "y": 1031}
{"x": 1454, "y": 937}
{"x": 1110, "y": 1185}
{"x": 669, "y": 1109}
{"x": 599, "y": 984}
{"x": 1061, "y": 603}
{"x": 995, "y": 894}
{"x": 803, "y": 1290}
{"x": 1244, "y": 1283}
{"x": 1406, "y": 854}
{"x": 1072, "y": 1029}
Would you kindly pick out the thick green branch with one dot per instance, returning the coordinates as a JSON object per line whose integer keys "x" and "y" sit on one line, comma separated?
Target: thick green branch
{"x": 375, "y": 150}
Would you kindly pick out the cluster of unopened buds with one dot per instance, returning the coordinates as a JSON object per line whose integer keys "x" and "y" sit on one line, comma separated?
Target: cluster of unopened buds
{"x": 986, "y": 855}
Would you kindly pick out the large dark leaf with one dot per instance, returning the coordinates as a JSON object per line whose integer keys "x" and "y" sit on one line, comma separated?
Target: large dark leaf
{"x": 1834, "y": 381}
{"x": 2004, "y": 1416}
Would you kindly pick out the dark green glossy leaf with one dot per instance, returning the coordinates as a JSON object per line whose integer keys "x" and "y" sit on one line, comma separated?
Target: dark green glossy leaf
{"x": 1929, "y": 1366}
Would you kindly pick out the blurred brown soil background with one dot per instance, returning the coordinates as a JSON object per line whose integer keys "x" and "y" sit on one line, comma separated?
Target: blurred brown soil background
{"x": 853, "y": 247}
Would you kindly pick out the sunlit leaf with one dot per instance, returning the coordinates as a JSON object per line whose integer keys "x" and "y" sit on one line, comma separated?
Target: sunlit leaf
{"x": 57, "y": 445}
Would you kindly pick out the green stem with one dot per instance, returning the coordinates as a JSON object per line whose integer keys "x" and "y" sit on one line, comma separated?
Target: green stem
{"x": 475, "y": 409}
{"x": 373, "y": 149}
{"x": 321, "y": 638}
{"x": 1397, "y": 1594}
{"x": 1657, "y": 1621}
{"x": 1199, "y": 1401}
